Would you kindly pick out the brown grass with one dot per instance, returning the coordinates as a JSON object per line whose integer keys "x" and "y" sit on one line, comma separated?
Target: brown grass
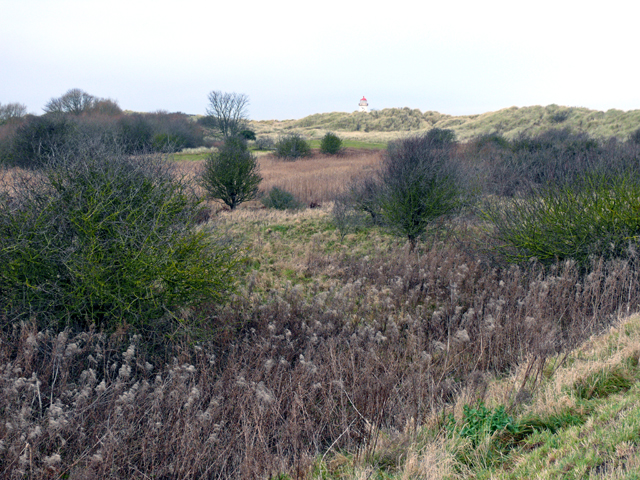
{"x": 315, "y": 179}
{"x": 319, "y": 178}
{"x": 351, "y": 352}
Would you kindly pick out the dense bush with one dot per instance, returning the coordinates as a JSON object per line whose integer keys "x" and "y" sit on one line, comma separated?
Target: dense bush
{"x": 555, "y": 156}
{"x": 265, "y": 143}
{"x": 420, "y": 183}
{"x": 105, "y": 240}
{"x": 292, "y": 146}
{"x": 331, "y": 144}
{"x": 248, "y": 134}
{"x": 231, "y": 174}
{"x": 41, "y": 138}
{"x": 280, "y": 200}
{"x": 594, "y": 216}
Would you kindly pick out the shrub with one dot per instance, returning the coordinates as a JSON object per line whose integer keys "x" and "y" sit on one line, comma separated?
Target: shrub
{"x": 231, "y": 174}
{"x": 135, "y": 133}
{"x": 555, "y": 156}
{"x": 40, "y": 138}
{"x": 366, "y": 196}
{"x": 248, "y": 134}
{"x": 166, "y": 142}
{"x": 419, "y": 184}
{"x": 106, "y": 240}
{"x": 596, "y": 215}
{"x": 264, "y": 143}
{"x": 280, "y": 200}
{"x": 345, "y": 216}
{"x": 331, "y": 144}
{"x": 292, "y": 146}
{"x": 440, "y": 138}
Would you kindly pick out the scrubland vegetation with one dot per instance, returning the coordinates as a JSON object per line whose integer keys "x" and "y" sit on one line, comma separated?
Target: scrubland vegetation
{"x": 432, "y": 310}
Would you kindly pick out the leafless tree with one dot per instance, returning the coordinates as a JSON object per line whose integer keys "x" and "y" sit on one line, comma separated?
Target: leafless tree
{"x": 11, "y": 111}
{"x": 75, "y": 101}
{"x": 227, "y": 112}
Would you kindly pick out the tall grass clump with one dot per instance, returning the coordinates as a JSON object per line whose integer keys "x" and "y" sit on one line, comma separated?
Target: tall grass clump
{"x": 105, "y": 240}
{"x": 594, "y": 216}
{"x": 292, "y": 146}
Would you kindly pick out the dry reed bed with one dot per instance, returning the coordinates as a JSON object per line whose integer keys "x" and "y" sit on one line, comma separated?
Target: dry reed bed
{"x": 292, "y": 372}
{"x": 318, "y": 178}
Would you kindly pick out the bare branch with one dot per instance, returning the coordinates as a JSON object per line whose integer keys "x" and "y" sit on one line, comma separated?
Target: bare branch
{"x": 227, "y": 112}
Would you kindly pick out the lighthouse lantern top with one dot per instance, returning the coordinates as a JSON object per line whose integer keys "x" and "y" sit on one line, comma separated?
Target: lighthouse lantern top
{"x": 364, "y": 105}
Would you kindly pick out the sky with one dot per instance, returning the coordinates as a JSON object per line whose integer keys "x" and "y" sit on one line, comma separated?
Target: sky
{"x": 294, "y": 58}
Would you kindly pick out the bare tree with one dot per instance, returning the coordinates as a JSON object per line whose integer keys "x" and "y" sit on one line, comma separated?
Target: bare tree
{"x": 75, "y": 101}
{"x": 12, "y": 111}
{"x": 227, "y": 112}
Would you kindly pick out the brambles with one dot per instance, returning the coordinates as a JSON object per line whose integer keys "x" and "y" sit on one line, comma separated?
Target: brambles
{"x": 280, "y": 200}
{"x": 41, "y": 138}
{"x": 292, "y": 146}
{"x": 101, "y": 239}
{"x": 331, "y": 144}
{"x": 231, "y": 174}
{"x": 594, "y": 216}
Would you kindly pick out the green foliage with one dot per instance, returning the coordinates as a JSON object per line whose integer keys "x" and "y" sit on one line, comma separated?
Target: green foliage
{"x": 292, "y": 146}
{"x": 480, "y": 422}
{"x": 280, "y": 200}
{"x": 231, "y": 174}
{"x": 440, "y": 137}
{"x": 597, "y": 215}
{"x": 603, "y": 383}
{"x": 106, "y": 241}
{"x": 331, "y": 144}
{"x": 248, "y": 134}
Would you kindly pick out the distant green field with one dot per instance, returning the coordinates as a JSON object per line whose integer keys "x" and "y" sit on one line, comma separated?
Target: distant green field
{"x": 347, "y": 143}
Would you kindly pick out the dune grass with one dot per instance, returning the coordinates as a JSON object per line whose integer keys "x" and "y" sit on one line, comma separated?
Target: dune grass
{"x": 390, "y": 123}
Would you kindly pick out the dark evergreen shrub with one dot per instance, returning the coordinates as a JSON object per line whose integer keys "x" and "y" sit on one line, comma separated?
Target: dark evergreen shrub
{"x": 280, "y": 200}
{"x": 231, "y": 174}
{"x": 331, "y": 144}
{"x": 292, "y": 146}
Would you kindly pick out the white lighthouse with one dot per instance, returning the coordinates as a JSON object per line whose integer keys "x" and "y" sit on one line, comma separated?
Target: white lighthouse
{"x": 364, "y": 105}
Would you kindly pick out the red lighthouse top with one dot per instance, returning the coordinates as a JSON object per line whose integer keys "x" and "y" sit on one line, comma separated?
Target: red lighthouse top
{"x": 363, "y": 99}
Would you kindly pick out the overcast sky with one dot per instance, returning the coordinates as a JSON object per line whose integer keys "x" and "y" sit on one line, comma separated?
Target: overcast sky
{"x": 295, "y": 58}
